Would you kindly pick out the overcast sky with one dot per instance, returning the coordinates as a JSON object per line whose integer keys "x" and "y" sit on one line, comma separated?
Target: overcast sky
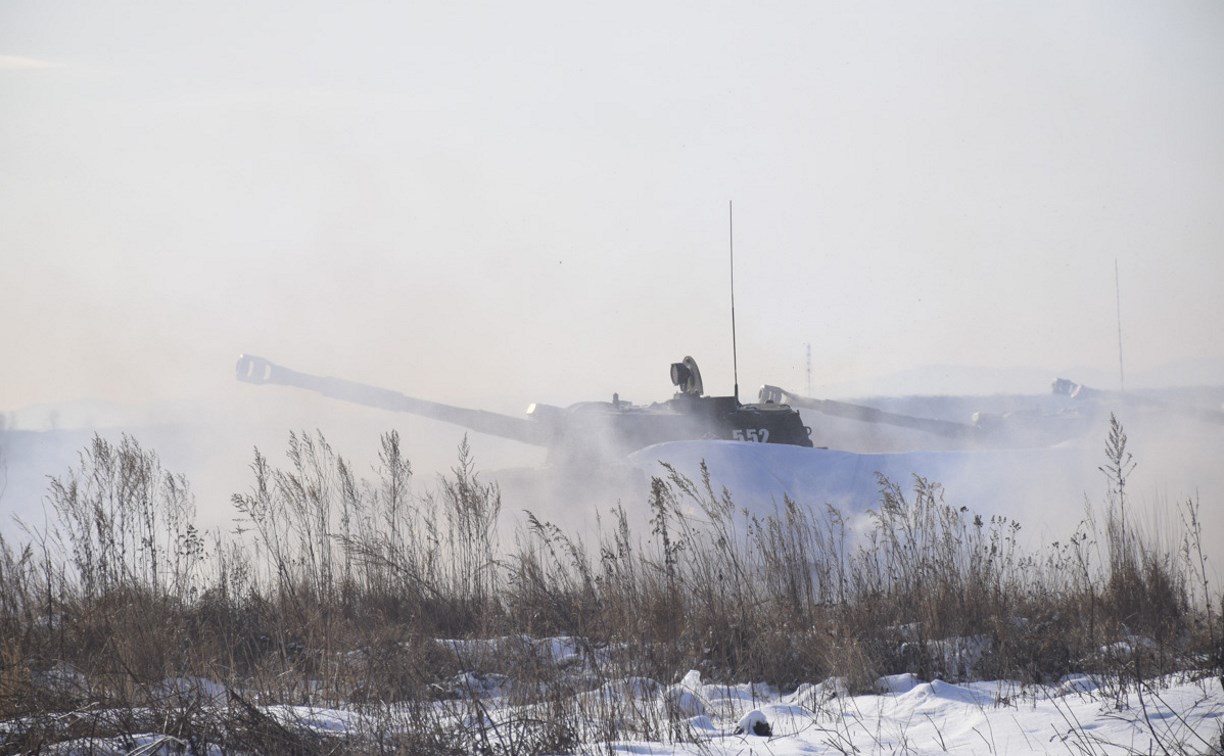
{"x": 500, "y": 203}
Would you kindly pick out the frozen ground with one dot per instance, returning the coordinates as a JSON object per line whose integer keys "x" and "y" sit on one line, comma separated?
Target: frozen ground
{"x": 1079, "y": 715}
{"x": 912, "y": 716}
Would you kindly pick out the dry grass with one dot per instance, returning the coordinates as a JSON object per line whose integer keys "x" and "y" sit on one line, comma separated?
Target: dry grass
{"x": 336, "y": 591}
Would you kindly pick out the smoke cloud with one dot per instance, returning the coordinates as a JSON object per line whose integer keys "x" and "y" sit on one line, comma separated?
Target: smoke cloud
{"x": 493, "y": 206}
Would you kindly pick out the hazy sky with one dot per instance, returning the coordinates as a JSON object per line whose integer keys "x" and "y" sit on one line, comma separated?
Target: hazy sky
{"x": 500, "y": 203}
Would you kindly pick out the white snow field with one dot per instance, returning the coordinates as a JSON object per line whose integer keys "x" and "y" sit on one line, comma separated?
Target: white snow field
{"x": 912, "y": 716}
{"x": 1080, "y": 715}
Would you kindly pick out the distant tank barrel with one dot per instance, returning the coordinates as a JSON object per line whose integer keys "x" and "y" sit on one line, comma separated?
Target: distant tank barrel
{"x": 253, "y": 369}
{"x": 1073, "y": 390}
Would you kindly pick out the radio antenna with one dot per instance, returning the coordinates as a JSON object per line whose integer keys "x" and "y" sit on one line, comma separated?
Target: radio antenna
{"x": 731, "y": 245}
{"x": 1118, "y": 299}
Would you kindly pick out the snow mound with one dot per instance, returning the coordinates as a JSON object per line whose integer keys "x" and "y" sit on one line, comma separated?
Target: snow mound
{"x": 902, "y": 683}
{"x": 754, "y": 723}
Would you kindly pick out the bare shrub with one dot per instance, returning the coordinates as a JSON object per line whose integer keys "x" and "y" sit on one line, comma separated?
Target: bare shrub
{"x": 126, "y": 521}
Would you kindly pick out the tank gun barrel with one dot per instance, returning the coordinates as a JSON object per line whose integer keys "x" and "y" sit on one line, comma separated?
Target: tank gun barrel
{"x": 257, "y": 370}
{"x": 834, "y": 408}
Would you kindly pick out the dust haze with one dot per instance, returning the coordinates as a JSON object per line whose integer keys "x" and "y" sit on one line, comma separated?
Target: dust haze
{"x": 489, "y": 206}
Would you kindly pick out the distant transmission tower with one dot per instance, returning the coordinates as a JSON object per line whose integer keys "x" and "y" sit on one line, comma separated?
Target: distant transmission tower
{"x": 809, "y": 369}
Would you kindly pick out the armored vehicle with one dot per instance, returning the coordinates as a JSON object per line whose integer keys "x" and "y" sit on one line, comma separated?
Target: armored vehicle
{"x": 587, "y": 429}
